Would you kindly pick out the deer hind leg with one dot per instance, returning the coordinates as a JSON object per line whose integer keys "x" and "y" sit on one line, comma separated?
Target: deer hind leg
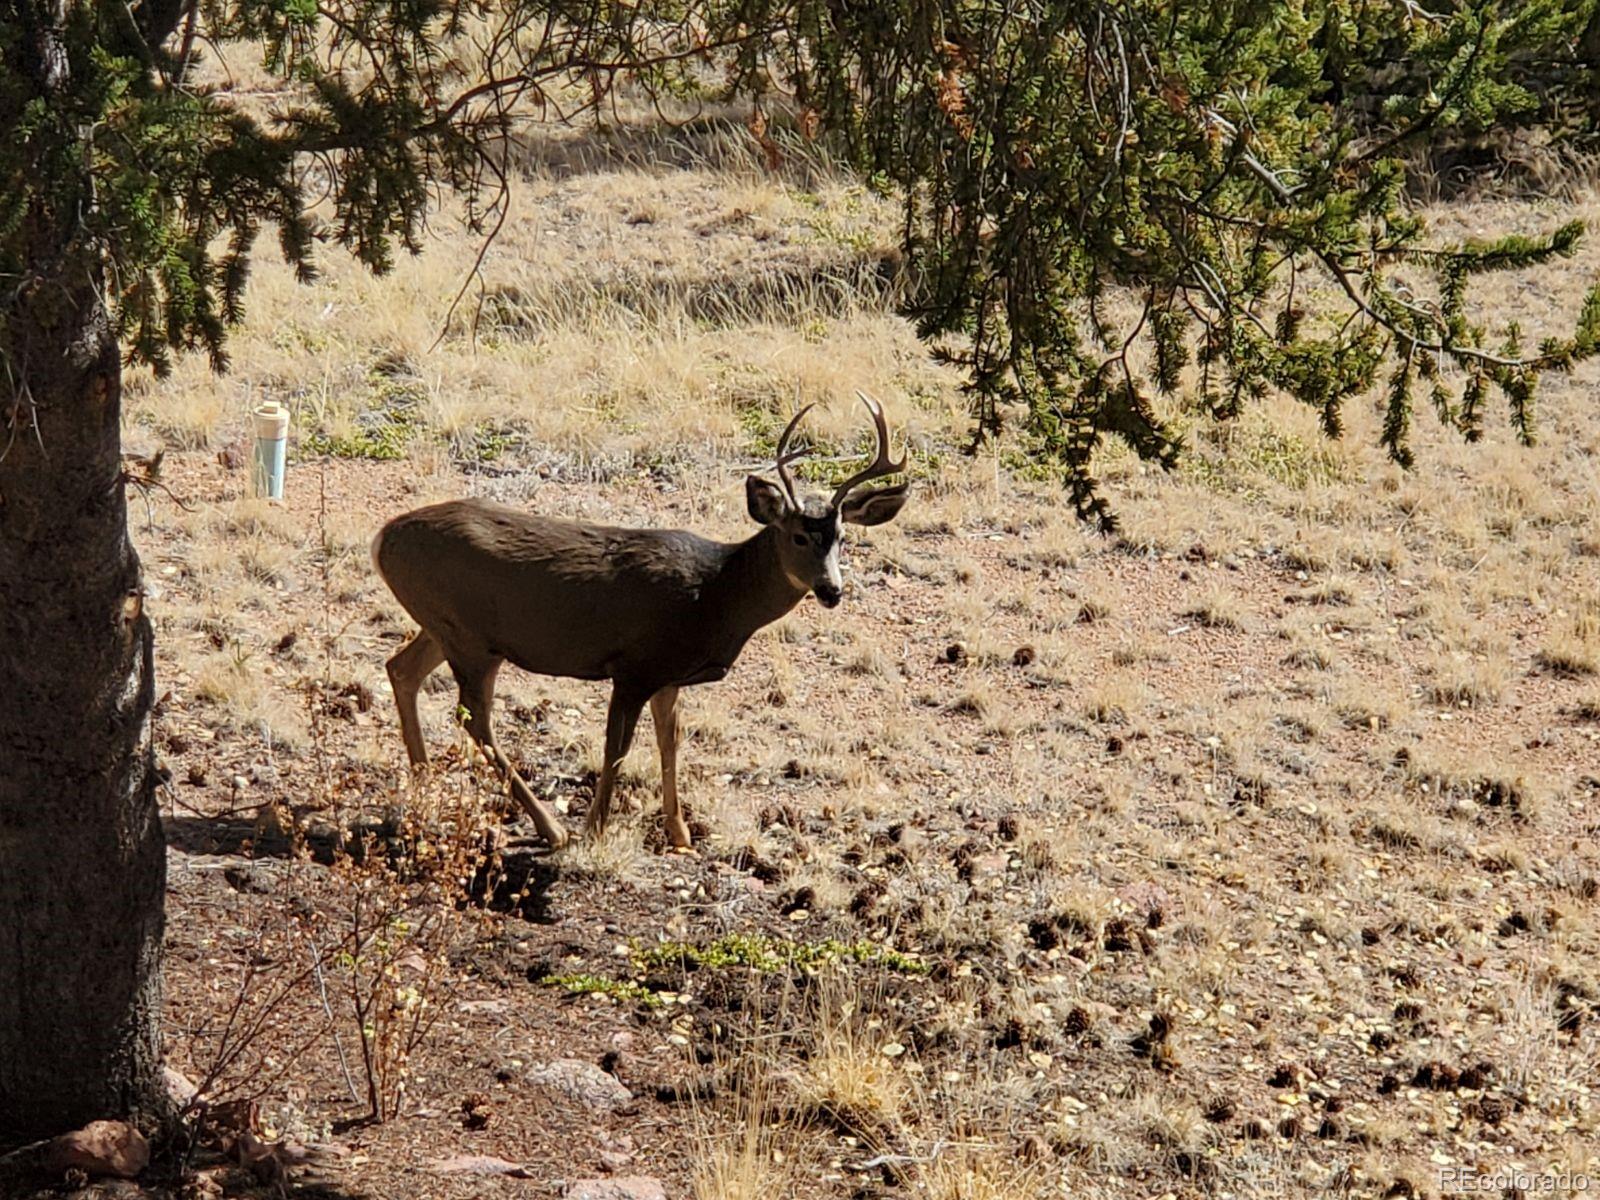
{"x": 621, "y": 719}
{"x": 408, "y": 667}
{"x": 664, "y": 714}
{"x": 477, "y": 698}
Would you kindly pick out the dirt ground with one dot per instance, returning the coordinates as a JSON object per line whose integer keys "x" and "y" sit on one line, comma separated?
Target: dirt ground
{"x": 1249, "y": 852}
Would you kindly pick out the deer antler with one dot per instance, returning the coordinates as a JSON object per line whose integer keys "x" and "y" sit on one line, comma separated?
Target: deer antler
{"x": 881, "y": 465}
{"x": 783, "y": 460}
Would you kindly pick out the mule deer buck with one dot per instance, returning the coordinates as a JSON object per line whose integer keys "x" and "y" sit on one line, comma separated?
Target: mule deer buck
{"x": 652, "y": 610}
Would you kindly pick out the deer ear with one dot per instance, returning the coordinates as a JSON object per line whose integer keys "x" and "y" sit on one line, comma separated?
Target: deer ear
{"x": 874, "y": 508}
{"x": 764, "y": 499}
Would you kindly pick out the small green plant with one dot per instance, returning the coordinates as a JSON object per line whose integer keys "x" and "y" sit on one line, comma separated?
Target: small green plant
{"x": 485, "y": 444}
{"x": 383, "y": 431}
{"x": 759, "y": 426}
{"x": 1256, "y": 452}
{"x": 625, "y": 991}
{"x": 1031, "y": 463}
{"x": 763, "y": 953}
{"x": 385, "y": 445}
{"x": 757, "y": 952}
{"x": 383, "y": 440}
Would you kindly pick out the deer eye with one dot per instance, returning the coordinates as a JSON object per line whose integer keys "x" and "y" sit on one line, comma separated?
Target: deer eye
{"x": 801, "y": 539}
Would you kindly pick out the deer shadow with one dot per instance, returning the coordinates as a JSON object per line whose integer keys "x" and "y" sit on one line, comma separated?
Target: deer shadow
{"x": 513, "y": 875}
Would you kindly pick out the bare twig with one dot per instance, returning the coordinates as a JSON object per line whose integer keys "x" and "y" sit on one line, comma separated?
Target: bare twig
{"x": 333, "y": 1023}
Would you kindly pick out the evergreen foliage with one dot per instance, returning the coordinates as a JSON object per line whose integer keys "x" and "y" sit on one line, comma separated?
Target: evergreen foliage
{"x": 1210, "y": 160}
{"x": 1215, "y": 162}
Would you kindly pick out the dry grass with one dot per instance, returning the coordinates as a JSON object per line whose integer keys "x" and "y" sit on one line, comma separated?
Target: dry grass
{"x": 1312, "y": 739}
{"x": 755, "y": 1160}
{"x": 1217, "y": 609}
{"x": 1467, "y": 680}
{"x": 1573, "y": 649}
{"x": 979, "y": 1174}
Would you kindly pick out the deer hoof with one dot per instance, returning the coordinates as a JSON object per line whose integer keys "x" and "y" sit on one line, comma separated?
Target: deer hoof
{"x": 678, "y": 834}
{"x": 557, "y": 839}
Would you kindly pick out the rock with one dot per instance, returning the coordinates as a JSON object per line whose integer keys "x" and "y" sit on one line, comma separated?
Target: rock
{"x": 179, "y": 1086}
{"x": 583, "y": 1082}
{"x": 109, "y": 1189}
{"x": 244, "y": 877}
{"x": 490, "y": 1008}
{"x": 621, "y": 1187}
{"x": 616, "y": 1153}
{"x": 479, "y": 1164}
{"x": 986, "y": 866}
{"x": 1152, "y": 902}
{"x": 100, "y": 1148}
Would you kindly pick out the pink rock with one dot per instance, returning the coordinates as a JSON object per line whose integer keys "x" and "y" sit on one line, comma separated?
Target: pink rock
{"x": 491, "y": 1008}
{"x": 582, "y": 1082}
{"x": 179, "y": 1086}
{"x": 479, "y": 1164}
{"x": 100, "y": 1148}
{"x": 987, "y": 865}
{"x": 1146, "y": 897}
{"x": 612, "y": 1161}
{"x": 622, "y": 1187}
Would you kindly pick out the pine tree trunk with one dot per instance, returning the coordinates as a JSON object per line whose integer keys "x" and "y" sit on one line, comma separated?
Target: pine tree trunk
{"x": 82, "y": 855}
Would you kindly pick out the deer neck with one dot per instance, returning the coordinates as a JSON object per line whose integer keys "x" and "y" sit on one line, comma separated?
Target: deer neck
{"x": 752, "y": 587}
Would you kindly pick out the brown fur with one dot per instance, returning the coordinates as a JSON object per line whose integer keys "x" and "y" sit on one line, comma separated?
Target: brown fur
{"x": 653, "y": 610}
{"x": 645, "y": 607}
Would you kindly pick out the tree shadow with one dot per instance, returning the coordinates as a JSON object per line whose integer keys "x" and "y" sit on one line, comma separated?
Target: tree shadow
{"x": 715, "y": 138}
{"x": 164, "y": 1180}
{"x": 844, "y": 282}
{"x": 513, "y": 876}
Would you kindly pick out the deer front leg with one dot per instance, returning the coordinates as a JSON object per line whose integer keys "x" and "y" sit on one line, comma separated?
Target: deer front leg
{"x": 664, "y": 713}
{"x": 621, "y": 718}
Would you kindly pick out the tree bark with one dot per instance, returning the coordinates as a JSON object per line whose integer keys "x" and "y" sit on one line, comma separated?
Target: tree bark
{"x": 82, "y": 854}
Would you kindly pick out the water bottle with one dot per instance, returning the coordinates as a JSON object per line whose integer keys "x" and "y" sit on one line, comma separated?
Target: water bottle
{"x": 271, "y": 421}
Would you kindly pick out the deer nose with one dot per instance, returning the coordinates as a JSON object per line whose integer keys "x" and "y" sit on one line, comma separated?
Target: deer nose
{"x": 828, "y": 593}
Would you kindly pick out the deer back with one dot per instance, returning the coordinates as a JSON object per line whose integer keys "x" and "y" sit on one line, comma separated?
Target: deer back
{"x": 567, "y": 598}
